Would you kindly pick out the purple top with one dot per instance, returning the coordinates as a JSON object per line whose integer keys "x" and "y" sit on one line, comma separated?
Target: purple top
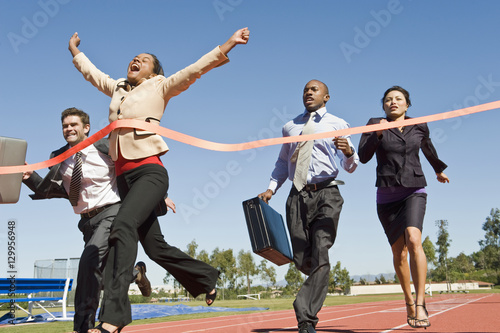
{"x": 393, "y": 194}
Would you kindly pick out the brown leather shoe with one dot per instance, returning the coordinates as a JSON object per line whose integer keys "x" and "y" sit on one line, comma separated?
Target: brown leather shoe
{"x": 141, "y": 280}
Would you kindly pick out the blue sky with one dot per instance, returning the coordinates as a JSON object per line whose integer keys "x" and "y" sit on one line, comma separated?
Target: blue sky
{"x": 445, "y": 53}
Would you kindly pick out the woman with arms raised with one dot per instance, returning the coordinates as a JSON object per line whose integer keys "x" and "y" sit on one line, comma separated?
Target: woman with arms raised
{"x": 141, "y": 177}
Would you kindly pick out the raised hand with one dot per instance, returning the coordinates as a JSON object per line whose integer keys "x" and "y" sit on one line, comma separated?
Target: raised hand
{"x": 241, "y": 36}
{"x": 74, "y": 42}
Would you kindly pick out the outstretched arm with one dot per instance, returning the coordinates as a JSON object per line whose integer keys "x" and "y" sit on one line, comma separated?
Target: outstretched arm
{"x": 241, "y": 36}
{"x": 74, "y": 42}
{"x": 90, "y": 72}
{"x": 31, "y": 179}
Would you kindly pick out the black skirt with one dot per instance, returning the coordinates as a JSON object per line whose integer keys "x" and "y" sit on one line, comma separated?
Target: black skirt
{"x": 399, "y": 215}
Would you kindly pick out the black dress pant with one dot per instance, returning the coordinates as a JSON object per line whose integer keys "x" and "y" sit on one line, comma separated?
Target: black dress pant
{"x": 90, "y": 269}
{"x": 141, "y": 189}
{"x": 312, "y": 219}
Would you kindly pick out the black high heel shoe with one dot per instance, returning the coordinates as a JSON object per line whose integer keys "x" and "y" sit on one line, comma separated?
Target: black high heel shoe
{"x": 211, "y": 298}
{"x": 421, "y": 323}
{"x": 408, "y": 317}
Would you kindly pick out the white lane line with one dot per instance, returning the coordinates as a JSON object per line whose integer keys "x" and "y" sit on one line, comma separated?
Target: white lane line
{"x": 441, "y": 312}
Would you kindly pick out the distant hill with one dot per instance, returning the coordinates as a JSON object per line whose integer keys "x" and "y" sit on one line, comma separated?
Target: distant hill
{"x": 281, "y": 283}
{"x": 371, "y": 277}
{"x": 367, "y": 277}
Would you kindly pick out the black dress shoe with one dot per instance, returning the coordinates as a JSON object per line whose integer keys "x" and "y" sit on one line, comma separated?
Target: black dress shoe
{"x": 306, "y": 328}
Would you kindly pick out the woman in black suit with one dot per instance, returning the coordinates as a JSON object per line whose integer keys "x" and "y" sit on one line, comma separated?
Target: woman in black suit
{"x": 401, "y": 195}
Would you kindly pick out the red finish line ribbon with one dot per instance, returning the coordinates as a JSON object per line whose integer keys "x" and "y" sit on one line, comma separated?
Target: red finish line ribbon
{"x": 232, "y": 147}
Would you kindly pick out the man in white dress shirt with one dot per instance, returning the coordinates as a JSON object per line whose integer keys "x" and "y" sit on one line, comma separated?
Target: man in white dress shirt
{"x": 314, "y": 203}
{"x": 97, "y": 204}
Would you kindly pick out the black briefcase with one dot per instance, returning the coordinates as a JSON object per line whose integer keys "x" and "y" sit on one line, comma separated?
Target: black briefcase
{"x": 267, "y": 231}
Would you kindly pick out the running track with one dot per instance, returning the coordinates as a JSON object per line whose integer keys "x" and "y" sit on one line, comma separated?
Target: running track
{"x": 471, "y": 313}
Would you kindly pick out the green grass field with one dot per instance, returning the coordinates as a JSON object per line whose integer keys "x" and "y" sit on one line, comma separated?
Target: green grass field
{"x": 272, "y": 304}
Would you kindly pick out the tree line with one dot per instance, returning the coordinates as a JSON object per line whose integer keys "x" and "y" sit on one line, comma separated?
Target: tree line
{"x": 238, "y": 272}
{"x": 482, "y": 265}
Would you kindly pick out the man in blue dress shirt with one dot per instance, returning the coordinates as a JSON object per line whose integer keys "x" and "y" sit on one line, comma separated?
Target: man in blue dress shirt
{"x": 314, "y": 203}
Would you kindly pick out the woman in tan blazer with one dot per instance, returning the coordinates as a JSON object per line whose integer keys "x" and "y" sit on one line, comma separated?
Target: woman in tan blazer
{"x": 141, "y": 176}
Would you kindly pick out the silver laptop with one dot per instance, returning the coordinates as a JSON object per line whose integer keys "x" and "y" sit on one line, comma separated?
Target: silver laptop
{"x": 12, "y": 152}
